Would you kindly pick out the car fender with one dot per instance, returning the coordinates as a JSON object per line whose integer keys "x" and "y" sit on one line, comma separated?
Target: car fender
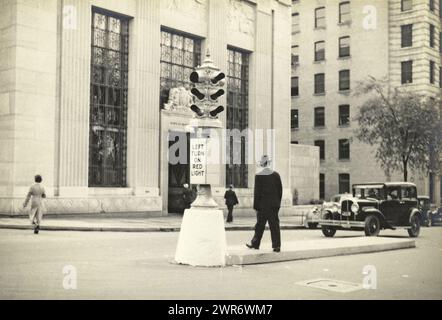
{"x": 324, "y": 213}
{"x": 413, "y": 212}
{"x": 373, "y": 210}
{"x": 313, "y": 213}
{"x": 334, "y": 215}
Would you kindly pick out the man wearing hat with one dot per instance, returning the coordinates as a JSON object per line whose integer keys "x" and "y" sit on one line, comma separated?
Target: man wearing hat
{"x": 187, "y": 196}
{"x": 266, "y": 202}
{"x": 231, "y": 200}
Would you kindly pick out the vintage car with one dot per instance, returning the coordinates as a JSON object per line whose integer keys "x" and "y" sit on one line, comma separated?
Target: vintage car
{"x": 436, "y": 216}
{"x": 425, "y": 209}
{"x": 376, "y": 206}
{"x": 313, "y": 217}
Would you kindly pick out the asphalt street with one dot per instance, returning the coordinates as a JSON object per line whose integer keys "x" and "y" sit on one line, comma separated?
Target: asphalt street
{"x": 118, "y": 265}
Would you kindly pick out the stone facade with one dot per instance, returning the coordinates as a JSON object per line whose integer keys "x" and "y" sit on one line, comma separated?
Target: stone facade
{"x": 375, "y": 50}
{"x": 45, "y": 72}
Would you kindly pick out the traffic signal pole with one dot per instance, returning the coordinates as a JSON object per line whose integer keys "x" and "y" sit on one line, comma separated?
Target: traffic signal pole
{"x": 202, "y": 238}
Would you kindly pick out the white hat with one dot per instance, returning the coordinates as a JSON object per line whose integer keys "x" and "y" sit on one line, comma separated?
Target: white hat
{"x": 265, "y": 161}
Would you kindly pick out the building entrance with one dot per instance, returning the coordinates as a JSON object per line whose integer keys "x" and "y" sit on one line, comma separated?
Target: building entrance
{"x": 178, "y": 170}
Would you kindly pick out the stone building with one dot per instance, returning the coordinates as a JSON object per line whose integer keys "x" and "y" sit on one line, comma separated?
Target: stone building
{"x": 92, "y": 90}
{"x": 336, "y": 44}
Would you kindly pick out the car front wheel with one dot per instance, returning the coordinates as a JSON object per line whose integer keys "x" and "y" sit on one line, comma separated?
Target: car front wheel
{"x": 372, "y": 226}
{"x": 328, "y": 231}
{"x": 415, "y": 227}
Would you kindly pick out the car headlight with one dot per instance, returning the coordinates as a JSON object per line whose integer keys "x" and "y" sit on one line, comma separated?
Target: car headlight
{"x": 354, "y": 208}
{"x": 335, "y": 207}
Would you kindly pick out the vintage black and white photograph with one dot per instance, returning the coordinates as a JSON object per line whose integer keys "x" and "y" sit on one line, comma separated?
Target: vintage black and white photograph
{"x": 220, "y": 150}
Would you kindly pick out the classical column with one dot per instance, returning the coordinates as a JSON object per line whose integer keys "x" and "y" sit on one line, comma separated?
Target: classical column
{"x": 72, "y": 119}
{"x": 281, "y": 91}
{"x": 217, "y": 44}
{"x": 143, "y": 100}
{"x": 260, "y": 85}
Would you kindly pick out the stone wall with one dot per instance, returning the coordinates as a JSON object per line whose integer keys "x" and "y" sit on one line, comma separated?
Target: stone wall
{"x": 28, "y": 88}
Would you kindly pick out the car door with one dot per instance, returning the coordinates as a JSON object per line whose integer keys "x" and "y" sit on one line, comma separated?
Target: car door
{"x": 408, "y": 202}
{"x": 390, "y": 207}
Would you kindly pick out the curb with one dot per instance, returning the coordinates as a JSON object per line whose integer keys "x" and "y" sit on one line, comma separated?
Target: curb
{"x": 133, "y": 229}
{"x": 292, "y": 253}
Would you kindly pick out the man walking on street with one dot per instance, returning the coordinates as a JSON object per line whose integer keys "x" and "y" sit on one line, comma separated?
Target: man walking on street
{"x": 37, "y": 194}
{"x": 231, "y": 200}
{"x": 266, "y": 202}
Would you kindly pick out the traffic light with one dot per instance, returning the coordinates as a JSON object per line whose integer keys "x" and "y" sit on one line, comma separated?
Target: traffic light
{"x": 214, "y": 113}
{"x": 220, "y": 76}
{"x": 197, "y": 110}
{"x": 208, "y": 81}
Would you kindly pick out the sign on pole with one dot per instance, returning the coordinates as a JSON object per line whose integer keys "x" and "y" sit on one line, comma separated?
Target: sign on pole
{"x": 198, "y": 161}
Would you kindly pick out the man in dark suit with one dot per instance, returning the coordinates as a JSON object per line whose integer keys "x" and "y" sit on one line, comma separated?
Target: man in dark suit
{"x": 187, "y": 196}
{"x": 266, "y": 202}
{"x": 231, "y": 200}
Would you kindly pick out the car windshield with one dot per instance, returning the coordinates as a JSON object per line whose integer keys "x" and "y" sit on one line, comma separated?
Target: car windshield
{"x": 365, "y": 192}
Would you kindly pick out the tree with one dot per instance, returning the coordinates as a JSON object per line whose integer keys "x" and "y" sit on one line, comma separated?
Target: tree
{"x": 404, "y": 126}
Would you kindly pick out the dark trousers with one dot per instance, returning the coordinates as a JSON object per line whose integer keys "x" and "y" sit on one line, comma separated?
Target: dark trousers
{"x": 270, "y": 215}
{"x": 230, "y": 214}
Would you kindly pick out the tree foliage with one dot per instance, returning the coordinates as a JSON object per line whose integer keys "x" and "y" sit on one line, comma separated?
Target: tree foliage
{"x": 404, "y": 126}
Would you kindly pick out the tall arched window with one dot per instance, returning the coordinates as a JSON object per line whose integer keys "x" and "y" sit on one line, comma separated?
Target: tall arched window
{"x": 237, "y": 116}
{"x": 180, "y": 54}
{"x": 108, "y": 101}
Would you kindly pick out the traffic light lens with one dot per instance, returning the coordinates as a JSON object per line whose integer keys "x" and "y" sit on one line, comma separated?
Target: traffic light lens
{"x": 197, "y": 93}
{"x": 217, "y": 94}
{"x": 219, "y": 109}
{"x": 218, "y": 77}
{"x": 197, "y": 110}
{"x": 194, "y": 77}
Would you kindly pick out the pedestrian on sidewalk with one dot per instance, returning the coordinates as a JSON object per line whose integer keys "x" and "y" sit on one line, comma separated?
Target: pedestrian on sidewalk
{"x": 266, "y": 202}
{"x": 231, "y": 201}
{"x": 187, "y": 196}
{"x": 37, "y": 193}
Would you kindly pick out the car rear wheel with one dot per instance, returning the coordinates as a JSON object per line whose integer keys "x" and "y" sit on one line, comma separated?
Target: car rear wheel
{"x": 415, "y": 227}
{"x": 372, "y": 226}
{"x": 328, "y": 231}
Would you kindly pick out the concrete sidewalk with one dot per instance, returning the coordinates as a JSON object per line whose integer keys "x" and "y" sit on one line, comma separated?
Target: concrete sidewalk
{"x": 171, "y": 223}
{"x": 317, "y": 248}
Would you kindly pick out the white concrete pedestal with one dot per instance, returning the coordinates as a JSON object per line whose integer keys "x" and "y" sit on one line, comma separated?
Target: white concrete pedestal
{"x": 202, "y": 239}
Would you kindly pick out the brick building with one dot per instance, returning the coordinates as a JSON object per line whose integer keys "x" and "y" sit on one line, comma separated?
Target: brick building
{"x": 335, "y": 44}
